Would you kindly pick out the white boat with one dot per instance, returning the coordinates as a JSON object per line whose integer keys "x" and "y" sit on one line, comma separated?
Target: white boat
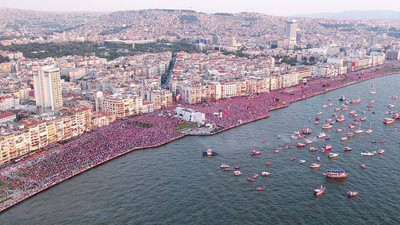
{"x": 321, "y": 135}
{"x": 326, "y": 126}
{"x": 391, "y": 106}
{"x": 308, "y": 141}
{"x": 319, "y": 191}
{"x": 333, "y": 155}
{"x": 224, "y": 166}
{"x": 265, "y": 174}
{"x": 372, "y": 92}
{"x": 381, "y": 151}
{"x": 339, "y": 130}
{"x": 343, "y": 138}
{"x": 359, "y": 131}
{"x": 347, "y": 149}
{"x": 237, "y": 173}
{"x": 315, "y": 165}
{"x": 369, "y": 130}
{"x": 302, "y": 161}
{"x": 367, "y": 153}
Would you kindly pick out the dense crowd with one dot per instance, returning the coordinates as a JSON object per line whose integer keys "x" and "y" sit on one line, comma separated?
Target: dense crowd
{"x": 98, "y": 146}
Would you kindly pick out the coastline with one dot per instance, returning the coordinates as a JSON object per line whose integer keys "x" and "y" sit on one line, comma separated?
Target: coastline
{"x": 31, "y": 193}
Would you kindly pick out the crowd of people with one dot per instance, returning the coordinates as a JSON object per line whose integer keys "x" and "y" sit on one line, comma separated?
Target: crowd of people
{"x": 150, "y": 130}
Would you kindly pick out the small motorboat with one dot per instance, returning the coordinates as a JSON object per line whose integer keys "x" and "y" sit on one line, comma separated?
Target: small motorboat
{"x": 237, "y": 167}
{"x": 321, "y": 135}
{"x": 340, "y": 118}
{"x": 254, "y": 152}
{"x": 255, "y": 176}
{"x": 367, "y": 153}
{"x": 227, "y": 169}
{"x": 260, "y": 189}
{"x": 381, "y": 151}
{"x": 347, "y": 149}
{"x": 315, "y": 165}
{"x": 237, "y": 173}
{"x": 350, "y": 134}
{"x": 391, "y": 106}
{"x": 326, "y": 126}
{"x": 356, "y": 101}
{"x": 316, "y": 123}
{"x": 335, "y": 174}
{"x": 293, "y": 158}
{"x": 333, "y": 155}
{"x": 389, "y": 120}
{"x": 209, "y": 152}
{"x": 352, "y": 193}
{"x": 319, "y": 191}
{"x": 276, "y": 151}
{"x": 327, "y": 148}
{"x": 265, "y": 174}
{"x": 250, "y": 179}
{"x": 301, "y": 161}
{"x": 308, "y": 141}
{"x": 324, "y": 106}
{"x": 395, "y": 97}
{"x": 268, "y": 163}
{"x": 343, "y": 138}
{"x": 342, "y": 98}
{"x": 224, "y": 166}
{"x": 313, "y": 149}
{"x": 363, "y": 166}
{"x": 339, "y": 130}
{"x": 300, "y": 145}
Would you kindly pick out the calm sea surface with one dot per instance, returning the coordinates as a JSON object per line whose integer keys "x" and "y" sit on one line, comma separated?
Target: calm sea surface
{"x": 174, "y": 184}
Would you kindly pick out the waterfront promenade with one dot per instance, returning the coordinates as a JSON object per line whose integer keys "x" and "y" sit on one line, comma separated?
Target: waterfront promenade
{"x": 151, "y": 130}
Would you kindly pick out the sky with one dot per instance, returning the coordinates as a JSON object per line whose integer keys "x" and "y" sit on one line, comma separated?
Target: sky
{"x": 271, "y": 7}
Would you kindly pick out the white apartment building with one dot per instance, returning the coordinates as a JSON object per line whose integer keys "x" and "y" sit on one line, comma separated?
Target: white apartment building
{"x": 47, "y": 88}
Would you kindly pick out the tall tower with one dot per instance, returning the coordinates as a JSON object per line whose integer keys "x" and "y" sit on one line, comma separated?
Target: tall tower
{"x": 48, "y": 88}
{"x": 291, "y": 30}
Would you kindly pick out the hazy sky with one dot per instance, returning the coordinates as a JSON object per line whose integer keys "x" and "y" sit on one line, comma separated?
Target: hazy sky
{"x": 273, "y": 7}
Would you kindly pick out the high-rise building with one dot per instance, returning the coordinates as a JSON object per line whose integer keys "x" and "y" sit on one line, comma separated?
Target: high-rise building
{"x": 291, "y": 30}
{"x": 216, "y": 39}
{"x": 48, "y": 88}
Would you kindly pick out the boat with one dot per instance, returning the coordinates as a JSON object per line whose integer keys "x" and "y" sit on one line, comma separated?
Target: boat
{"x": 372, "y": 92}
{"x": 339, "y": 130}
{"x": 342, "y": 98}
{"x": 265, "y": 174}
{"x": 209, "y": 152}
{"x": 316, "y": 123}
{"x": 333, "y": 155}
{"x": 363, "y": 166}
{"x": 319, "y": 191}
{"x": 254, "y": 152}
{"x": 363, "y": 118}
{"x": 359, "y": 131}
{"x": 391, "y": 106}
{"x": 388, "y": 120}
{"x": 276, "y": 151}
{"x": 255, "y": 176}
{"x": 319, "y": 113}
{"x": 260, "y": 189}
{"x": 313, "y": 149}
{"x": 371, "y": 101}
{"x": 302, "y": 161}
{"x": 315, "y": 165}
{"x": 395, "y": 97}
{"x": 352, "y": 193}
{"x": 396, "y": 115}
{"x": 324, "y": 106}
{"x": 250, "y": 179}
{"x": 343, "y": 138}
{"x": 308, "y": 141}
{"x": 237, "y": 173}
{"x": 356, "y": 101}
{"x": 347, "y": 149}
{"x": 237, "y": 167}
{"x": 335, "y": 174}
{"x": 367, "y": 153}
{"x": 227, "y": 169}
{"x": 350, "y": 134}
{"x": 370, "y": 106}
{"x": 381, "y": 151}
{"x": 340, "y": 118}
{"x": 327, "y": 148}
{"x": 293, "y": 158}
{"x": 300, "y": 145}
{"x": 268, "y": 163}
{"x": 326, "y": 126}
{"x": 330, "y": 104}
{"x": 224, "y": 166}
{"x": 321, "y": 135}
{"x": 306, "y": 131}
{"x": 337, "y": 109}
{"x": 369, "y": 130}
{"x": 351, "y": 126}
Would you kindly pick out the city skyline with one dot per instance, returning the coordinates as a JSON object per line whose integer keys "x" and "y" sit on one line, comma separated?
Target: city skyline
{"x": 282, "y": 8}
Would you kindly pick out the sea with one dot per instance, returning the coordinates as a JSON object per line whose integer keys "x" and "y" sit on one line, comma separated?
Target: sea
{"x": 175, "y": 184}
